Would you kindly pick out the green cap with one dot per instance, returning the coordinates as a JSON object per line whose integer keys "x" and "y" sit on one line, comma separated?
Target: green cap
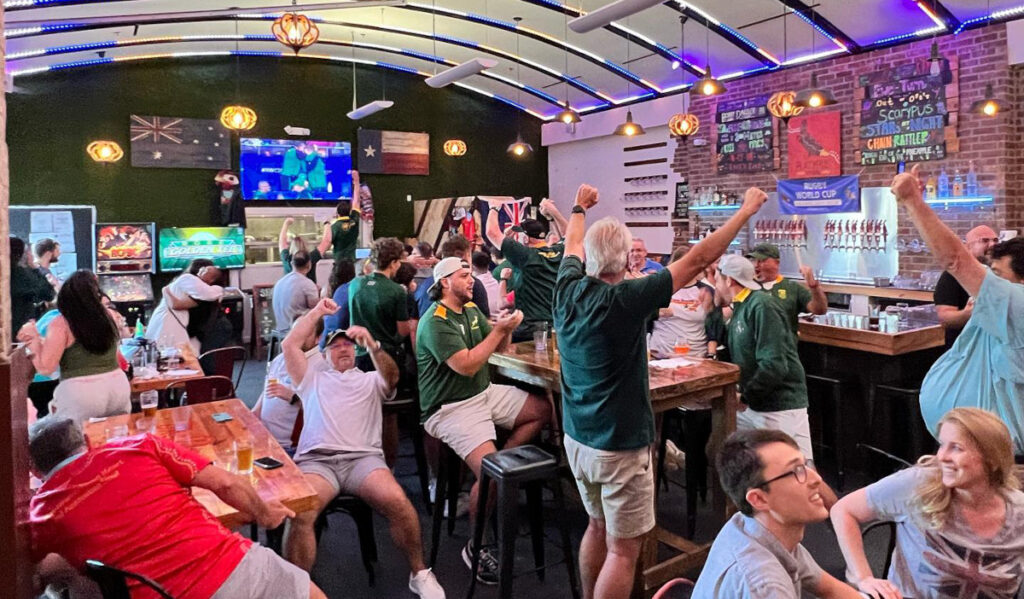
{"x": 763, "y": 251}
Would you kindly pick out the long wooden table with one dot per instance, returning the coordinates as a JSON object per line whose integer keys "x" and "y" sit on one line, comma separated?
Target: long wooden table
{"x": 707, "y": 385}
{"x": 215, "y": 441}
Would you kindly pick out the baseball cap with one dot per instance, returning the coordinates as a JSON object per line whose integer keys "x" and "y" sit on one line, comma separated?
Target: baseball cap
{"x": 739, "y": 268}
{"x": 334, "y": 335}
{"x": 446, "y": 268}
{"x": 763, "y": 251}
{"x": 533, "y": 228}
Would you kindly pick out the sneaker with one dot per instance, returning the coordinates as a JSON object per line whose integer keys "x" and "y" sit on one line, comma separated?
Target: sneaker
{"x": 424, "y": 584}
{"x": 487, "y": 571}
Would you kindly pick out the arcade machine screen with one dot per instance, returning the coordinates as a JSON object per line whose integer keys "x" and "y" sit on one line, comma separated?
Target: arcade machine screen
{"x": 132, "y": 294}
{"x": 124, "y": 248}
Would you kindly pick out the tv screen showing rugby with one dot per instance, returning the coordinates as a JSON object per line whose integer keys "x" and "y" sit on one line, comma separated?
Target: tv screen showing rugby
{"x": 295, "y": 169}
{"x": 225, "y": 246}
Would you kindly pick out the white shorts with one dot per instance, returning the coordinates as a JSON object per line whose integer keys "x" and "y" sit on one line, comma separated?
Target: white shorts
{"x": 94, "y": 396}
{"x": 617, "y": 487}
{"x": 792, "y": 422}
{"x": 468, "y": 424}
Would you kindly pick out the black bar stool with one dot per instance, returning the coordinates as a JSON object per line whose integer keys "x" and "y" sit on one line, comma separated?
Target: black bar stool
{"x": 362, "y": 514}
{"x": 897, "y": 426}
{"x": 449, "y": 482}
{"x": 824, "y": 405}
{"x": 407, "y": 404}
{"x": 527, "y": 466}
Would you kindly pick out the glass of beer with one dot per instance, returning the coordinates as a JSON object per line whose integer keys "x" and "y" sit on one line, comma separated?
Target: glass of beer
{"x": 244, "y": 454}
{"x": 682, "y": 347}
{"x": 148, "y": 401}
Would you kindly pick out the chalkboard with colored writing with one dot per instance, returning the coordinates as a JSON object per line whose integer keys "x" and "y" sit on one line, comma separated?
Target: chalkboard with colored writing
{"x": 903, "y": 115}
{"x": 745, "y": 136}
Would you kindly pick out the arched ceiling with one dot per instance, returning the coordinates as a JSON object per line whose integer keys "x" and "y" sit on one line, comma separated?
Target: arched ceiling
{"x": 541, "y": 62}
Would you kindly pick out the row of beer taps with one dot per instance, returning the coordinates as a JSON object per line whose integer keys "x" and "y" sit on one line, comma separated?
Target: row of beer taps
{"x": 783, "y": 233}
{"x": 863, "y": 235}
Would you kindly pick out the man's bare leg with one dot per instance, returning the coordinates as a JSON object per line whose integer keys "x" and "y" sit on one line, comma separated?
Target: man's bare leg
{"x": 383, "y": 493}
{"x": 619, "y": 569}
{"x": 593, "y": 551}
{"x": 300, "y": 542}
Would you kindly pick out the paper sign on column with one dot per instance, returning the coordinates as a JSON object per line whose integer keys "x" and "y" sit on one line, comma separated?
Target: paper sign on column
{"x": 41, "y": 222}
{"x": 66, "y": 266}
{"x": 62, "y": 221}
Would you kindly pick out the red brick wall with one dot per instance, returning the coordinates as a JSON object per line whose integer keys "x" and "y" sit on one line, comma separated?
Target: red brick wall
{"x": 994, "y": 144}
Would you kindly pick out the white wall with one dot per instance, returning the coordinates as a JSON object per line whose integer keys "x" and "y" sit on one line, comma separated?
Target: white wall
{"x": 1015, "y": 41}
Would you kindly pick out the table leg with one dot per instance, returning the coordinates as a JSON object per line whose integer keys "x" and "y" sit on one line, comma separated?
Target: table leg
{"x": 723, "y": 424}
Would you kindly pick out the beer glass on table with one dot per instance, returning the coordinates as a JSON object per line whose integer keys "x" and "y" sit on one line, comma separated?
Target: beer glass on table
{"x": 244, "y": 455}
{"x": 148, "y": 401}
{"x": 682, "y": 346}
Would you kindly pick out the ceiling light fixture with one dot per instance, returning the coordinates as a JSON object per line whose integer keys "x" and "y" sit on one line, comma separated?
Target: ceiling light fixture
{"x": 629, "y": 128}
{"x": 707, "y": 85}
{"x": 814, "y": 96}
{"x": 782, "y": 105}
{"x": 568, "y": 116}
{"x": 683, "y": 124}
{"x": 610, "y": 12}
{"x": 104, "y": 151}
{"x": 519, "y": 148}
{"x": 366, "y": 109}
{"x": 237, "y": 117}
{"x": 467, "y": 69}
{"x": 295, "y": 30}
{"x": 989, "y": 105}
{"x": 455, "y": 147}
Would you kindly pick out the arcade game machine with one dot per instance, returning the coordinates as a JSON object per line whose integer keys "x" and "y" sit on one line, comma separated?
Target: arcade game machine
{"x": 124, "y": 264}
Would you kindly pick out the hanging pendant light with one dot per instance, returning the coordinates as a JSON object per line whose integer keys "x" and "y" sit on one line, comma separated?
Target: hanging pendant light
{"x": 455, "y": 147}
{"x": 707, "y": 85}
{"x": 237, "y": 117}
{"x": 683, "y": 124}
{"x": 988, "y": 105}
{"x": 567, "y": 115}
{"x": 519, "y": 148}
{"x": 629, "y": 128}
{"x": 295, "y": 31}
{"x": 814, "y": 96}
{"x": 104, "y": 151}
{"x": 782, "y": 105}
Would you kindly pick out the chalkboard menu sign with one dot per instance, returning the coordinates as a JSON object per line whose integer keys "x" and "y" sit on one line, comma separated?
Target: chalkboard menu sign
{"x": 903, "y": 115}
{"x": 682, "y": 210}
{"x": 745, "y": 136}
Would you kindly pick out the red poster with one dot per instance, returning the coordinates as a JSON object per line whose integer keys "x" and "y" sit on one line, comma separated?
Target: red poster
{"x": 813, "y": 141}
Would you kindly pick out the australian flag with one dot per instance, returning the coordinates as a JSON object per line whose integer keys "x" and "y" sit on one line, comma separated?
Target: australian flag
{"x": 170, "y": 142}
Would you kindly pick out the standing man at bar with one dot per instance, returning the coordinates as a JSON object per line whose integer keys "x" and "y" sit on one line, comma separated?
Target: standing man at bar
{"x": 984, "y": 368}
{"x": 536, "y": 266}
{"x": 609, "y": 424}
{"x": 952, "y": 302}
{"x": 344, "y": 231}
{"x": 795, "y": 298}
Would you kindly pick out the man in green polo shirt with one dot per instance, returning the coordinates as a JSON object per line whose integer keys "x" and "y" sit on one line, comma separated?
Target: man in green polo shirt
{"x": 345, "y": 230}
{"x": 379, "y": 304}
{"x": 795, "y": 298}
{"x": 602, "y": 321}
{"x": 459, "y": 404}
{"x": 772, "y": 381}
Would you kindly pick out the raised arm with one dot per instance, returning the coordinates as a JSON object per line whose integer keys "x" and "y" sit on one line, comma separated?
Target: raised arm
{"x": 383, "y": 362}
{"x": 818, "y": 303}
{"x": 943, "y": 243}
{"x": 291, "y": 346}
{"x": 325, "y": 240}
{"x": 549, "y": 209}
{"x": 847, "y": 517}
{"x": 493, "y": 228}
{"x": 468, "y": 362}
{"x": 240, "y": 494}
{"x": 586, "y": 197}
{"x": 713, "y": 246}
{"x": 282, "y": 237}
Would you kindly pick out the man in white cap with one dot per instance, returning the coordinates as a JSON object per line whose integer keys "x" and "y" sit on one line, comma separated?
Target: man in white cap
{"x": 459, "y": 404}
{"x": 772, "y": 380}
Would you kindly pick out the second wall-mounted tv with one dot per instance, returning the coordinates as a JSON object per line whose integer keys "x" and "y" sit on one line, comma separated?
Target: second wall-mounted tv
{"x": 224, "y": 245}
{"x": 295, "y": 169}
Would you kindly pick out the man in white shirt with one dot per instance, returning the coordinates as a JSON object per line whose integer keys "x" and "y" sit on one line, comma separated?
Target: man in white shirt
{"x": 340, "y": 445}
{"x": 168, "y": 325}
{"x": 481, "y": 270}
{"x": 294, "y": 293}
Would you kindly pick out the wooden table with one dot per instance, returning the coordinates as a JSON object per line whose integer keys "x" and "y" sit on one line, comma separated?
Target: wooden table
{"x": 708, "y": 385}
{"x": 162, "y": 380}
{"x": 215, "y": 441}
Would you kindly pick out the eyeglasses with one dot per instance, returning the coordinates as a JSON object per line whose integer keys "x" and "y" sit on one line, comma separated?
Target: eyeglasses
{"x": 799, "y": 472}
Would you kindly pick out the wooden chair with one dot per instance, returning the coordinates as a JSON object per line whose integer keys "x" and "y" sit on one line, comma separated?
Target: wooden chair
{"x": 113, "y": 581}
{"x": 221, "y": 362}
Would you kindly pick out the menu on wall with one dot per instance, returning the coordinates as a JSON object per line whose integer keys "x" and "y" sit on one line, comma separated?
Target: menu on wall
{"x": 903, "y": 115}
{"x": 745, "y": 136}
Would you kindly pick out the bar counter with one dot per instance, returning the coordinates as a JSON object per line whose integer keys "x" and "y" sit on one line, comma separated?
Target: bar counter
{"x": 920, "y": 295}
{"x": 889, "y": 344}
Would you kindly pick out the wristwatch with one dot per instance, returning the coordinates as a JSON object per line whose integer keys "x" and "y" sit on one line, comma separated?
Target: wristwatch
{"x": 577, "y": 209}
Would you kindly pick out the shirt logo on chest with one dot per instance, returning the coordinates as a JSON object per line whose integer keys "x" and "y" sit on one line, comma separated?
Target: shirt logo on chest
{"x": 782, "y": 294}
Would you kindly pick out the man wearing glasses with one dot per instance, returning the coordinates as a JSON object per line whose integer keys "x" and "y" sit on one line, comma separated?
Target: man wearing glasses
{"x": 758, "y": 554}
{"x": 953, "y": 304}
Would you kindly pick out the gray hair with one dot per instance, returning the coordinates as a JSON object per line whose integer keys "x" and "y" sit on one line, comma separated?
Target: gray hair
{"x": 607, "y": 244}
{"x": 53, "y": 439}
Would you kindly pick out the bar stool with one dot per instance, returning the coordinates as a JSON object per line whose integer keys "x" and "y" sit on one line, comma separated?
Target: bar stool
{"x": 695, "y": 426}
{"x": 407, "y": 404}
{"x": 527, "y": 466}
{"x": 274, "y": 343}
{"x": 449, "y": 482}
{"x": 914, "y": 438}
{"x": 834, "y": 384}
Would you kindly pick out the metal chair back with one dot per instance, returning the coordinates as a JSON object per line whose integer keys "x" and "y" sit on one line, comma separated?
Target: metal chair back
{"x": 113, "y": 582}
{"x": 221, "y": 362}
{"x": 208, "y": 388}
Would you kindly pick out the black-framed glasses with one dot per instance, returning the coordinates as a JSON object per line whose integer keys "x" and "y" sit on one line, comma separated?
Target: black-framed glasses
{"x": 799, "y": 472}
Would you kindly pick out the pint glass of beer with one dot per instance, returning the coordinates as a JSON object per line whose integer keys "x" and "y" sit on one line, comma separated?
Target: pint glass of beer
{"x": 148, "y": 401}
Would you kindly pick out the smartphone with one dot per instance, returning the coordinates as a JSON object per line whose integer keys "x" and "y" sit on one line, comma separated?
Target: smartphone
{"x": 222, "y": 417}
{"x": 267, "y": 463}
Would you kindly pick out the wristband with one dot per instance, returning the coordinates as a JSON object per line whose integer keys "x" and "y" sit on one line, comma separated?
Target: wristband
{"x": 577, "y": 209}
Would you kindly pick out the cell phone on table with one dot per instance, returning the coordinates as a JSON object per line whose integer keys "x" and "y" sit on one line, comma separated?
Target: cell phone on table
{"x": 267, "y": 463}
{"x": 221, "y": 417}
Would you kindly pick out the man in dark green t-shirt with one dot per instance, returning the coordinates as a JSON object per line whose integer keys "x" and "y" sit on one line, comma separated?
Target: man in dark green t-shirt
{"x": 345, "y": 229}
{"x": 794, "y": 297}
{"x": 379, "y": 304}
{"x": 315, "y": 255}
{"x": 601, "y": 320}
{"x": 459, "y": 404}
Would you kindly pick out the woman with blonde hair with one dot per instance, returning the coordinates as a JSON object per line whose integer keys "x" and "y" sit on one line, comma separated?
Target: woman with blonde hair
{"x": 959, "y": 516}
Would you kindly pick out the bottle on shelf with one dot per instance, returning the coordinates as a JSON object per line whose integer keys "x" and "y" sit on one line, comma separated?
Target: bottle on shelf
{"x": 943, "y": 186}
{"x": 971, "y": 187}
{"x": 929, "y": 188}
{"x": 958, "y": 184}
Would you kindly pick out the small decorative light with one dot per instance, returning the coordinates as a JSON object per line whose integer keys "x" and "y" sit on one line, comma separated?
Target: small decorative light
{"x": 813, "y": 96}
{"x": 568, "y": 116}
{"x": 295, "y": 31}
{"x": 104, "y": 151}
{"x": 629, "y": 128}
{"x": 519, "y": 148}
{"x": 455, "y": 147}
{"x": 783, "y": 106}
{"x": 683, "y": 125}
{"x": 989, "y": 105}
{"x": 708, "y": 85}
{"x": 238, "y": 118}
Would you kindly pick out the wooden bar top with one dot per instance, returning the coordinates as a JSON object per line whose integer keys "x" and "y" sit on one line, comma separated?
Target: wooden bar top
{"x": 889, "y": 344}
{"x": 215, "y": 441}
{"x": 920, "y": 295}
{"x": 520, "y": 361}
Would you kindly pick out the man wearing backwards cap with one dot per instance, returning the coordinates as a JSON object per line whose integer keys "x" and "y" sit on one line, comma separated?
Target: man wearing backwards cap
{"x": 536, "y": 267}
{"x": 340, "y": 446}
{"x": 459, "y": 404}
{"x": 795, "y": 298}
{"x": 772, "y": 379}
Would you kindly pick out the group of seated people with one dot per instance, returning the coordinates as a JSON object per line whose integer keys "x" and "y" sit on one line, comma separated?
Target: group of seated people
{"x": 957, "y": 513}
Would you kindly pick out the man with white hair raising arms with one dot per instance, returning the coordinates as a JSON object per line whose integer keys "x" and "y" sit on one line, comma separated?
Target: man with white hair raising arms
{"x": 609, "y": 424}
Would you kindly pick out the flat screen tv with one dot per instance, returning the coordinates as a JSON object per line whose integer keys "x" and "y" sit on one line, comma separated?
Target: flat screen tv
{"x": 224, "y": 245}
{"x": 124, "y": 248}
{"x": 295, "y": 169}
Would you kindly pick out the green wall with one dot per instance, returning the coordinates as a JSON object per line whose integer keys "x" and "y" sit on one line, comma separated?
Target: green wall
{"x": 50, "y": 125}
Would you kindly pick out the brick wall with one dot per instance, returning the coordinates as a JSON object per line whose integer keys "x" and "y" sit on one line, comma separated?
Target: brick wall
{"x": 994, "y": 144}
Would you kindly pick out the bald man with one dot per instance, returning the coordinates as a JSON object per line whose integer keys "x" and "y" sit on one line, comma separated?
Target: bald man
{"x": 952, "y": 303}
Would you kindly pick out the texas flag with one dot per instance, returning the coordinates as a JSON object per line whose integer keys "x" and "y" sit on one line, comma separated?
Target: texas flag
{"x": 393, "y": 153}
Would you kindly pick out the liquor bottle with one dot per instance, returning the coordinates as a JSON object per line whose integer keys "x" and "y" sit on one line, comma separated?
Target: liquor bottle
{"x": 958, "y": 184}
{"x": 943, "y": 187}
{"x": 929, "y": 188}
{"x": 971, "y": 188}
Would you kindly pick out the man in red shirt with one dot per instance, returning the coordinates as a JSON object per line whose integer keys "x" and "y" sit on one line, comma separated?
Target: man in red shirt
{"x": 128, "y": 504}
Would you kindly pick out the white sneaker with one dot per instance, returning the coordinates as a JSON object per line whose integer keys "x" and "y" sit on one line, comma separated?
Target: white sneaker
{"x": 424, "y": 584}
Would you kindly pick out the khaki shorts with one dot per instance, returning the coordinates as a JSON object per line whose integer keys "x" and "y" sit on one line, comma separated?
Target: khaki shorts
{"x": 263, "y": 574}
{"x": 617, "y": 487}
{"x": 468, "y": 424}
{"x": 345, "y": 471}
{"x": 792, "y": 422}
